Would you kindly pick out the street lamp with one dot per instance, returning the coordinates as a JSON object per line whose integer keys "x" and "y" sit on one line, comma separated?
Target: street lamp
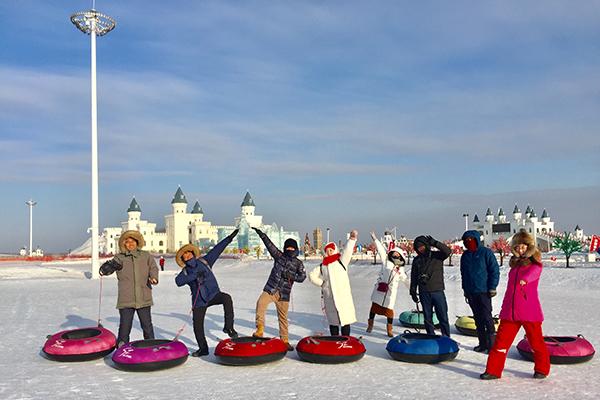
{"x": 31, "y": 203}
{"x": 466, "y": 217}
{"x": 327, "y": 235}
{"x": 93, "y": 23}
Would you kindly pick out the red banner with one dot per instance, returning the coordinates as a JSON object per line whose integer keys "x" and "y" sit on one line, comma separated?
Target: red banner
{"x": 595, "y": 243}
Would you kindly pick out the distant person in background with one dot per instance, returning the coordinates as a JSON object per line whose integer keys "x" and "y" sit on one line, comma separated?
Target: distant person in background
{"x": 197, "y": 274}
{"x": 161, "y": 262}
{"x": 287, "y": 269}
{"x": 521, "y": 307}
{"x": 332, "y": 277}
{"x": 480, "y": 273}
{"x": 136, "y": 273}
{"x": 384, "y": 293}
{"x": 427, "y": 275}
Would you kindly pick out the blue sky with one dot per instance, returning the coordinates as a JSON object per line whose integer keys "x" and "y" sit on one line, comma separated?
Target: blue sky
{"x": 341, "y": 113}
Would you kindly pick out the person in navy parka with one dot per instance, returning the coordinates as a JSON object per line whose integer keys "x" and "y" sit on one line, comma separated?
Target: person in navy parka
{"x": 480, "y": 273}
{"x": 197, "y": 273}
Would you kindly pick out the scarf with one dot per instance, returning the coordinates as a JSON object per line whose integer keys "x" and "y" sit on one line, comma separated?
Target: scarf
{"x": 330, "y": 259}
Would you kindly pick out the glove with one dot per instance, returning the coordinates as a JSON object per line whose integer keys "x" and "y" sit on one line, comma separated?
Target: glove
{"x": 109, "y": 267}
{"x": 430, "y": 241}
{"x": 414, "y": 297}
{"x": 492, "y": 293}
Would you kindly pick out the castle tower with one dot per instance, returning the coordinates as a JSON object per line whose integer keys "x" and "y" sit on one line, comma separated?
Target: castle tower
{"x": 134, "y": 214}
{"x": 528, "y": 211}
{"x": 178, "y": 223}
{"x": 501, "y": 216}
{"x": 248, "y": 206}
{"x": 476, "y": 219}
{"x": 578, "y": 233}
{"x": 517, "y": 214}
{"x": 545, "y": 217}
{"x": 489, "y": 217}
{"x": 197, "y": 213}
{"x": 533, "y": 216}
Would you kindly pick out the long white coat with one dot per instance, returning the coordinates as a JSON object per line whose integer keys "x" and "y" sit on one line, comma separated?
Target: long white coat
{"x": 390, "y": 274}
{"x": 335, "y": 288}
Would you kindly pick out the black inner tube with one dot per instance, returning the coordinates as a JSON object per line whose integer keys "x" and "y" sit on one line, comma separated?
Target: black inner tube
{"x": 81, "y": 333}
{"x": 142, "y": 344}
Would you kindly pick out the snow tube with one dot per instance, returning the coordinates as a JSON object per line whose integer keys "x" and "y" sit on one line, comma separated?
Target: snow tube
{"x": 562, "y": 349}
{"x": 422, "y": 348}
{"x": 150, "y": 355}
{"x": 330, "y": 349}
{"x": 416, "y": 319}
{"x": 250, "y": 350}
{"x": 466, "y": 325}
{"x": 80, "y": 344}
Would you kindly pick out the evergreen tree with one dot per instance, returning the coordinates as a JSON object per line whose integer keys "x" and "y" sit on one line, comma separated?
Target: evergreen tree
{"x": 567, "y": 244}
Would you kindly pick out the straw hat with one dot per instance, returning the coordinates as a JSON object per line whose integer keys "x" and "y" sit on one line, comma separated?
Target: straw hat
{"x": 188, "y": 247}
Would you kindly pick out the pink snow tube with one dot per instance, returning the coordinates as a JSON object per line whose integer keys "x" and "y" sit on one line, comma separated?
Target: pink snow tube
{"x": 150, "y": 355}
{"x": 80, "y": 344}
{"x": 562, "y": 349}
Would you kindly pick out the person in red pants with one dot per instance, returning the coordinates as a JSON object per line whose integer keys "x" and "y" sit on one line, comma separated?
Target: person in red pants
{"x": 521, "y": 307}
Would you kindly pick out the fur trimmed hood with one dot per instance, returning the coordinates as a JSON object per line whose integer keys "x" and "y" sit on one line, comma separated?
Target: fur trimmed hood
{"x": 135, "y": 235}
{"x": 188, "y": 247}
{"x": 532, "y": 254}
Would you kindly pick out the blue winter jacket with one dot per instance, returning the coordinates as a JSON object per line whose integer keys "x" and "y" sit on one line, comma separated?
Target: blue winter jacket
{"x": 198, "y": 273}
{"x": 479, "y": 270}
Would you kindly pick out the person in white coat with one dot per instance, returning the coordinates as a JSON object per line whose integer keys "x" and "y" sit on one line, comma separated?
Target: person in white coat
{"x": 332, "y": 277}
{"x": 384, "y": 293}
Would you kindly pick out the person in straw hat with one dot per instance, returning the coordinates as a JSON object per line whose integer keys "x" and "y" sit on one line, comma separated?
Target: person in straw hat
{"x": 197, "y": 273}
{"x": 136, "y": 273}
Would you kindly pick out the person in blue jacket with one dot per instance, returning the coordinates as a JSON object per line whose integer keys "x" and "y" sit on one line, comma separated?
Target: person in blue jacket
{"x": 480, "y": 274}
{"x": 197, "y": 274}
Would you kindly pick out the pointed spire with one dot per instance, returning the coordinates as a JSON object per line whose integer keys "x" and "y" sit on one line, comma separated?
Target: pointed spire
{"x": 179, "y": 197}
{"x": 577, "y": 228}
{"x": 544, "y": 214}
{"x": 516, "y": 210}
{"x": 528, "y": 209}
{"x": 500, "y": 212}
{"x": 134, "y": 206}
{"x": 476, "y": 219}
{"x": 197, "y": 209}
{"x": 488, "y": 212}
{"x": 248, "y": 200}
{"x": 533, "y": 214}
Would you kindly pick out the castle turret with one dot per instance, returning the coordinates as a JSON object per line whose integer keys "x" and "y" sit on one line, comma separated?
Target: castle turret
{"x": 528, "y": 211}
{"x": 476, "y": 219}
{"x": 489, "y": 217}
{"x": 545, "y": 217}
{"x": 516, "y": 214}
{"x": 197, "y": 212}
{"x": 134, "y": 212}
{"x": 179, "y": 202}
{"x": 248, "y": 205}
{"x": 501, "y": 215}
{"x": 532, "y": 216}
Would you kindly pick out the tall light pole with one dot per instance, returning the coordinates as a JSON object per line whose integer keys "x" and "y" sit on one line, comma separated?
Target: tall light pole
{"x": 93, "y": 23}
{"x": 466, "y": 217}
{"x": 327, "y": 235}
{"x": 31, "y": 203}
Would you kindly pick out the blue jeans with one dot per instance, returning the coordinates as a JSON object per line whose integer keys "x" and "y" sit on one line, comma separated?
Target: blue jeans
{"x": 437, "y": 300}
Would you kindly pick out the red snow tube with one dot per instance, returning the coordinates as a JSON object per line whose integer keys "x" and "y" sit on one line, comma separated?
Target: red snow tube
{"x": 330, "y": 349}
{"x": 562, "y": 349}
{"x": 250, "y": 350}
{"x": 80, "y": 344}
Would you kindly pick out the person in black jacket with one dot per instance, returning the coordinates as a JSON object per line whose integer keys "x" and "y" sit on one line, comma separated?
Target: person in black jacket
{"x": 286, "y": 270}
{"x": 427, "y": 275}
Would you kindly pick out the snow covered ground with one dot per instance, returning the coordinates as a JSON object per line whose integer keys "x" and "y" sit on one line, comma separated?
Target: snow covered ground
{"x": 40, "y": 299}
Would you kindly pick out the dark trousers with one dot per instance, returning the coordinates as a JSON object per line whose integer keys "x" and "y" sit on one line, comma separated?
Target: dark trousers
{"x": 335, "y": 330}
{"x": 126, "y": 322}
{"x": 200, "y": 312}
{"x": 481, "y": 305}
{"x": 437, "y": 300}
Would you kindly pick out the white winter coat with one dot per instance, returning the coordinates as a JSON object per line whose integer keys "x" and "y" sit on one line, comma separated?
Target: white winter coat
{"x": 335, "y": 288}
{"x": 390, "y": 274}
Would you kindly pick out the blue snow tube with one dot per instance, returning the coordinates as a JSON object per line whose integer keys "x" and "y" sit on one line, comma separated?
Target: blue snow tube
{"x": 422, "y": 348}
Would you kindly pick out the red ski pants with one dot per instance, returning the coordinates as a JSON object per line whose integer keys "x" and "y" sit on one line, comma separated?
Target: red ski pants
{"x": 504, "y": 339}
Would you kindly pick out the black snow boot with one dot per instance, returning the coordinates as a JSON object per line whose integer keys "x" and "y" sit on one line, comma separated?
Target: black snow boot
{"x": 487, "y": 377}
{"x": 200, "y": 353}
{"x": 539, "y": 375}
{"x": 231, "y": 332}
